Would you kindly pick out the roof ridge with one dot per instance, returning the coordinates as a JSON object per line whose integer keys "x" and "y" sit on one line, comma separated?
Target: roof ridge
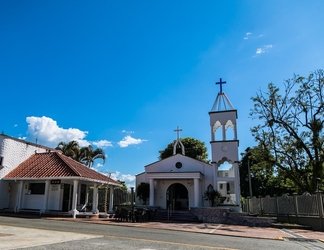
{"x": 62, "y": 157}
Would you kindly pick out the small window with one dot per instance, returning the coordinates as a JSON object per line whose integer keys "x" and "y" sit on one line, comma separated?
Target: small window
{"x": 37, "y": 188}
{"x": 226, "y": 174}
{"x": 220, "y": 186}
{"x": 1, "y": 159}
{"x": 178, "y": 165}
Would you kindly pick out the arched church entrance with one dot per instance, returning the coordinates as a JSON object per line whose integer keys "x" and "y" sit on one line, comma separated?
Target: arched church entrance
{"x": 177, "y": 197}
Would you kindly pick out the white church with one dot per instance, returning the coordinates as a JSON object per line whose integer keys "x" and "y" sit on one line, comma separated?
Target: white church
{"x": 180, "y": 182}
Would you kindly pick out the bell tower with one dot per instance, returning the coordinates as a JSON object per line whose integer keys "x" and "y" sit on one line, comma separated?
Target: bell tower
{"x": 224, "y": 147}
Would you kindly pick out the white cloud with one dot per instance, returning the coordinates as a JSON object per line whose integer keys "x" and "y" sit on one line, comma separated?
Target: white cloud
{"x": 247, "y": 34}
{"x": 102, "y": 144}
{"x": 99, "y": 165}
{"x": 128, "y": 140}
{"x": 46, "y": 131}
{"x": 127, "y": 132}
{"x": 127, "y": 178}
{"x": 264, "y": 49}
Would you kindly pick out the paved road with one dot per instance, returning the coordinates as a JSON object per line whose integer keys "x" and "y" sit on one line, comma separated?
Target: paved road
{"x": 32, "y": 233}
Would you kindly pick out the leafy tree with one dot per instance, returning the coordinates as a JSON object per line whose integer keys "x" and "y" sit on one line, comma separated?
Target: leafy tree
{"x": 86, "y": 155}
{"x": 70, "y": 149}
{"x": 123, "y": 187}
{"x": 292, "y": 129}
{"x": 89, "y": 155}
{"x": 143, "y": 191}
{"x": 265, "y": 180}
{"x": 213, "y": 196}
{"x": 193, "y": 148}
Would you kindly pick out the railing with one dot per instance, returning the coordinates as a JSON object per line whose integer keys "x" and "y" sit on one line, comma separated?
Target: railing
{"x": 170, "y": 209}
{"x": 121, "y": 197}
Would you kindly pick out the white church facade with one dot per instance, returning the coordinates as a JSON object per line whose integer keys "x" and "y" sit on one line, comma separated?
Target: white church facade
{"x": 180, "y": 182}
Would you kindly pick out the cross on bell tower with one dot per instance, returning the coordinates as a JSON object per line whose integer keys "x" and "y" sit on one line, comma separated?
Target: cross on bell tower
{"x": 220, "y": 84}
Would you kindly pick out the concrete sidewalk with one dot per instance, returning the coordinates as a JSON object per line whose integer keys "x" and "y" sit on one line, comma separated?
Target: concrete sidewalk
{"x": 217, "y": 229}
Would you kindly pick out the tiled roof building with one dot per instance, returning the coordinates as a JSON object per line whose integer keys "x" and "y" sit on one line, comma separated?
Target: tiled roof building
{"x": 51, "y": 165}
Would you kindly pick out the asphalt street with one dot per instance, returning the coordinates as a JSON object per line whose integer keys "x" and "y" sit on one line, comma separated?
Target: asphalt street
{"x": 33, "y": 233}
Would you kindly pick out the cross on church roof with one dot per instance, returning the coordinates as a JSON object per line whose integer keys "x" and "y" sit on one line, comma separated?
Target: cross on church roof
{"x": 220, "y": 83}
{"x": 178, "y": 130}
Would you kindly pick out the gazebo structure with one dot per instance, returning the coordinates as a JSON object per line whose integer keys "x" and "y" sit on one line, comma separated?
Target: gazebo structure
{"x": 51, "y": 181}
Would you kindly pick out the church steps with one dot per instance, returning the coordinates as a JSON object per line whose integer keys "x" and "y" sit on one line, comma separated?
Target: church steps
{"x": 176, "y": 216}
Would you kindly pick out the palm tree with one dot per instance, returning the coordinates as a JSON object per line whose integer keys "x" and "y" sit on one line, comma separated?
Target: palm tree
{"x": 86, "y": 155}
{"x": 71, "y": 149}
{"x": 89, "y": 155}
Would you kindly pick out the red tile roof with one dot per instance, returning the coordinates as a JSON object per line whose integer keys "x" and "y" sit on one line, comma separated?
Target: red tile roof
{"x": 56, "y": 165}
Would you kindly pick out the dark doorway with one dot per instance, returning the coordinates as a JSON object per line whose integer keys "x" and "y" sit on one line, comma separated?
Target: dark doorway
{"x": 67, "y": 195}
{"x": 83, "y": 193}
{"x": 177, "y": 197}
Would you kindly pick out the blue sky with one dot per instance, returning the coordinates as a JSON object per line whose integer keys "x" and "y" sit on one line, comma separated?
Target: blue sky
{"x": 123, "y": 75}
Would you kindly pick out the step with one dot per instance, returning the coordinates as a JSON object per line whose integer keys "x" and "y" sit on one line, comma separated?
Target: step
{"x": 176, "y": 216}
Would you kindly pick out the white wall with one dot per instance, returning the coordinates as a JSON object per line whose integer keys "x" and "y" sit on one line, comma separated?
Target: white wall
{"x": 14, "y": 151}
{"x": 55, "y": 197}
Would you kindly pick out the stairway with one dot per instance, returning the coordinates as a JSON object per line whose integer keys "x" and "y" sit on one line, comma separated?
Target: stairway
{"x": 184, "y": 216}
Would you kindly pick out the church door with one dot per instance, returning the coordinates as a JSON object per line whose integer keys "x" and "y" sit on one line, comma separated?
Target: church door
{"x": 177, "y": 197}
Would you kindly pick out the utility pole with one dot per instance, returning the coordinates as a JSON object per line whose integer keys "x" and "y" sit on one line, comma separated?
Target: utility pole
{"x": 250, "y": 183}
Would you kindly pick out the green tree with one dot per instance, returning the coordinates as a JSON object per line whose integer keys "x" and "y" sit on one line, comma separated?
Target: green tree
{"x": 292, "y": 129}
{"x": 264, "y": 177}
{"x": 70, "y": 149}
{"x": 213, "y": 196}
{"x": 143, "y": 191}
{"x": 123, "y": 187}
{"x": 193, "y": 148}
{"x": 85, "y": 155}
{"x": 89, "y": 155}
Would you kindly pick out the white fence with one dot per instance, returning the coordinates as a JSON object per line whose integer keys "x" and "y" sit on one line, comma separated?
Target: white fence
{"x": 297, "y": 205}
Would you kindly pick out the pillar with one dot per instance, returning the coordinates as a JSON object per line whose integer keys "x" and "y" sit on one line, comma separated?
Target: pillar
{"x": 111, "y": 199}
{"x": 47, "y": 189}
{"x": 151, "y": 192}
{"x": 215, "y": 176}
{"x": 95, "y": 199}
{"x": 19, "y": 196}
{"x": 196, "y": 192}
{"x": 212, "y": 134}
{"x": 74, "y": 210}
{"x": 235, "y": 131}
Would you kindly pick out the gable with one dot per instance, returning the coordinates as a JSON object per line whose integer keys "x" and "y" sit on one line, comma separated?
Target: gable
{"x": 177, "y": 163}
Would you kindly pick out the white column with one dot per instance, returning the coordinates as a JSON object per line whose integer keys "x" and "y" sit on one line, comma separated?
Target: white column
{"x": 235, "y": 132}
{"x": 74, "y": 211}
{"x": 196, "y": 192}
{"x": 46, "y": 194}
{"x": 224, "y": 132}
{"x": 111, "y": 199}
{"x": 151, "y": 192}
{"x": 215, "y": 176}
{"x": 212, "y": 133}
{"x": 87, "y": 196}
{"x": 95, "y": 199}
{"x": 19, "y": 196}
